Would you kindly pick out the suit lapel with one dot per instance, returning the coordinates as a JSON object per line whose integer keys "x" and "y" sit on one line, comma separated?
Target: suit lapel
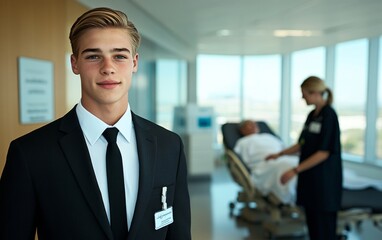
{"x": 146, "y": 144}
{"x": 77, "y": 155}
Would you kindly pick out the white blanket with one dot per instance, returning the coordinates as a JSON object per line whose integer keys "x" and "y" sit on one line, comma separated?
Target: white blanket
{"x": 255, "y": 147}
{"x": 354, "y": 181}
{"x": 266, "y": 174}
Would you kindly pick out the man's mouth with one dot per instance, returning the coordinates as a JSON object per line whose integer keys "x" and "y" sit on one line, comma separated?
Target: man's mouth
{"x": 108, "y": 84}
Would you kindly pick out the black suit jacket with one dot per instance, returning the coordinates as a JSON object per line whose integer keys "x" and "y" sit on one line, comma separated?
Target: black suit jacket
{"x": 48, "y": 183}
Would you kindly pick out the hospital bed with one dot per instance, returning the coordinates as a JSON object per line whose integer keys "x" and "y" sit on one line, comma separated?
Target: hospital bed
{"x": 278, "y": 219}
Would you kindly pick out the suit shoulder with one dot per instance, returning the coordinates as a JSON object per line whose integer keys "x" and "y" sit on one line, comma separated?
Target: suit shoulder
{"x": 41, "y": 133}
{"x": 52, "y": 130}
{"x": 152, "y": 127}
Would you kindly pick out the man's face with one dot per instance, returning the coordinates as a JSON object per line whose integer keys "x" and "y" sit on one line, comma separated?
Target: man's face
{"x": 105, "y": 64}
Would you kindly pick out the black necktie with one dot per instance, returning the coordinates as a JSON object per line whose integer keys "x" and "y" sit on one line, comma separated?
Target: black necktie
{"x": 115, "y": 183}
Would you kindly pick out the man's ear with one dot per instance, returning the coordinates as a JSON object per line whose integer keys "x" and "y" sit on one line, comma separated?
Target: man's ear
{"x": 135, "y": 63}
{"x": 73, "y": 61}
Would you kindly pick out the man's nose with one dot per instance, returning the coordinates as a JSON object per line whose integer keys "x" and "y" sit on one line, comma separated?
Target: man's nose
{"x": 107, "y": 66}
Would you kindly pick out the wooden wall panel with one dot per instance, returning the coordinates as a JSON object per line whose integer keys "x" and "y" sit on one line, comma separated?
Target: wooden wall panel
{"x": 36, "y": 29}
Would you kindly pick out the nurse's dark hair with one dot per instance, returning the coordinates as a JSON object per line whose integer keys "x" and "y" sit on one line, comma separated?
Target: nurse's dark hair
{"x": 316, "y": 84}
{"x": 102, "y": 18}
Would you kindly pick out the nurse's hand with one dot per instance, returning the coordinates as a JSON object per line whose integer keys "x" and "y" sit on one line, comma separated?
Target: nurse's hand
{"x": 288, "y": 175}
{"x": 272, "y": 156}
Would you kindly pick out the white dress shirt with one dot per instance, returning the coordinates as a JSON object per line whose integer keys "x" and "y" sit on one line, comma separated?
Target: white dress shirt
{"x": 93, "y": 127}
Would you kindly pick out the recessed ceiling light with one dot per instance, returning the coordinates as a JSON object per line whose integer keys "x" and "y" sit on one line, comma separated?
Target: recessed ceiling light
{"x": 224, "y": 32}
{"x": 293, "y": 33}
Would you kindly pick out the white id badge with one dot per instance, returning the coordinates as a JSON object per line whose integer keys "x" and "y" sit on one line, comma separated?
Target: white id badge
{"x": 163, "y": 218}
{"x": 315, "y": 127}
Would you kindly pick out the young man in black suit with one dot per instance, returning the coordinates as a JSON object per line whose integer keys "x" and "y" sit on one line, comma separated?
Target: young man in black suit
{"x": 56, "y": 178}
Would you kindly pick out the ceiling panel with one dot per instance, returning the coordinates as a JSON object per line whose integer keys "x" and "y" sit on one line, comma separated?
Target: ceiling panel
{"x": 251, "y": 23}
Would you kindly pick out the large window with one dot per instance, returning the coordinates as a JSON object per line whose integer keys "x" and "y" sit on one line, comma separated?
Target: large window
{"x": 250, "y": 87}
{"x": 218, "y": 85}
{"x": 305, "y": 63}
{"x": 379, "y": 120}
{"x": 350, "y": 94}
{"x": 261, "y": 89}
{"x": 171, "y": 80}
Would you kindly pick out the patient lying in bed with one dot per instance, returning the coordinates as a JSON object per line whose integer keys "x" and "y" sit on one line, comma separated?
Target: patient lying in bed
{"x": 255, "y": 146}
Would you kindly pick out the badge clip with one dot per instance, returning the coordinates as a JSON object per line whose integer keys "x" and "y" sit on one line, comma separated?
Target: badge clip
{"x": 164, "y": 198}
{"x": 165, "y": 216}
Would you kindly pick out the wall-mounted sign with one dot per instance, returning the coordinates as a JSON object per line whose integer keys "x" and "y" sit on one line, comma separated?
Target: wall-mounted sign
{"x": 36, "y": 93}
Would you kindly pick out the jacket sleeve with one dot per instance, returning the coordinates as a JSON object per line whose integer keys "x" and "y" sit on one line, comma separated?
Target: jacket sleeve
{"x": 17, "y": 198}
{"x": 181, "y": 228}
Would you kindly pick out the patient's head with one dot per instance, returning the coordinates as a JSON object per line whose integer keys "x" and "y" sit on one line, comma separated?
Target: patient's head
{"x": 248, "y": 127}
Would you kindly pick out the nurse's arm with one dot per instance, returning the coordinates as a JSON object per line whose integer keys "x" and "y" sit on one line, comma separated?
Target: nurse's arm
{"x": 310, "y": 162}
{"x": 314, "y": 159}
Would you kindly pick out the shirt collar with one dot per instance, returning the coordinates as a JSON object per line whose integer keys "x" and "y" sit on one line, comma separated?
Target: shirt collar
{"x": 93, "y": 127}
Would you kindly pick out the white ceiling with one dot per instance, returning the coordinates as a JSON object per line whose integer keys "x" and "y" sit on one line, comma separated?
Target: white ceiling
{"x": 192, "y": 26}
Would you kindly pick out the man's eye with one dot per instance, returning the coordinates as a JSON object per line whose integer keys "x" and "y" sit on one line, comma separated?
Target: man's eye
{"x": 120, "y": 57}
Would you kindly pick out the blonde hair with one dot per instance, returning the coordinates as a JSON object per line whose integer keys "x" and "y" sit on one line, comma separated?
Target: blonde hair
{"x": 102, "y": 18}
{"x": 316, "y": 84}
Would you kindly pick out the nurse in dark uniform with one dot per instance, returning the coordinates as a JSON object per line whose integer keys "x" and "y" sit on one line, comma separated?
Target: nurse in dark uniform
{"x": 319, "y": 171}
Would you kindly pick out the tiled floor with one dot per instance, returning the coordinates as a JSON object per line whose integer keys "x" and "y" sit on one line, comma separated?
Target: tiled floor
{"x": 211, "y": 218}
